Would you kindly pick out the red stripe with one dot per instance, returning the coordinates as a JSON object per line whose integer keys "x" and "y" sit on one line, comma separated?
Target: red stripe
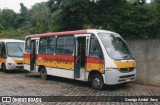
{"x": 94, "y": 60}
{"x": 26, "y": 55}
{"x": 63, "y": 58}
{"x": 51, "y": 57}
{"x": 59, "y": 33}
{"x": 55, "y": 57}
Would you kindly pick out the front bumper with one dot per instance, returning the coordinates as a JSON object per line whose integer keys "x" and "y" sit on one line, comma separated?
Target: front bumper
{"x": 14, "y": 67}
{"x": 112, "y": 77}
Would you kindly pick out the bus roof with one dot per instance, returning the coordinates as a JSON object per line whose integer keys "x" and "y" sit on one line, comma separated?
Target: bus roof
{"x": 10, "y": 40}
{"x": 68, "y": 33}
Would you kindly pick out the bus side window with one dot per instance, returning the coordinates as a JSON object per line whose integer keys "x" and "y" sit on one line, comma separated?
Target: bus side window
{"x": 47, "y": 45}
{"x": 43, "y": 45}
{"x": 95, "y": 48}
{"x": 27, "y": 45}
{"x": 65, "y": 45}
{"x": 3, "y": 51}
{"x": 51, "y": 45}
{"x": 69, "y": 45}
{"x": 60, "y": 45}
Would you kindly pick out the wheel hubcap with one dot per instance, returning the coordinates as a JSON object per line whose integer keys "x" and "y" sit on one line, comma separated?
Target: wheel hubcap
{"x": 43, "y": 74}
{"x": 96, "y": 82}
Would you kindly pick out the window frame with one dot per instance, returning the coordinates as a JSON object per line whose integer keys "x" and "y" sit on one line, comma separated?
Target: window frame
{"x": 98, "y": 45}
{"x": 54, "y": 44}
{"x": 7, "y": 50}
{"x": 29, "y": 45}
{"x": 65, "y": 45}
{"x": 5, "y": 54}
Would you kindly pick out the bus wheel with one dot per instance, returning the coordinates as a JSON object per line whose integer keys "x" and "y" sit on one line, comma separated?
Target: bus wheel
{"x": 4, "y": 68}
{"x": 97, "y": 82}
{"x": 43, "y": 73}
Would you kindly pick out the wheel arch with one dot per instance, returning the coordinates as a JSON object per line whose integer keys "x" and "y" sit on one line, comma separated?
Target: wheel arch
{"x": 92, "y": 72}
{"x": 40, "y": 67}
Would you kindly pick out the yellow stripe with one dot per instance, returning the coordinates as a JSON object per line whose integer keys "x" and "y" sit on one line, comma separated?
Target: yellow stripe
{"x": 2, "y": 60}
{"x": 125, "y": 64}
{"x": 93, "y": 66}
{"x": 18, "y": 61}
{"x": 26, "y": 61}
{"x": 56, "y": 64}
{"x": 89, "y": 67}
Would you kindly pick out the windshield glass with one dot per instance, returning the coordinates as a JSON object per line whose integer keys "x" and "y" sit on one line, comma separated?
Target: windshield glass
{"x": 115, "y": 46}
{"x": 15, "y": 49}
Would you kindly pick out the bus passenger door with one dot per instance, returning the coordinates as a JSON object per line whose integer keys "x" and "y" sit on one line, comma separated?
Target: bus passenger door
{"x": 0, "y": 55}
{"x": 33, "y": 55}
{"x": 80, "y": 52}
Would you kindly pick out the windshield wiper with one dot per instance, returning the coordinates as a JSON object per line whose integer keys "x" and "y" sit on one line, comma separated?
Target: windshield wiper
{"x": 129, "y": 56}
{"x": 20, "y": 48}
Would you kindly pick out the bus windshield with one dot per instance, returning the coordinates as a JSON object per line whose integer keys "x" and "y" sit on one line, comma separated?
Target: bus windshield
{"x": 115, "y": 46}
{"x": 15, "y": 49}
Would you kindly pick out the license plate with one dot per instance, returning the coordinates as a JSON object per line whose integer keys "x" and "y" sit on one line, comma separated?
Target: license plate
{"x": 128, "y": 80}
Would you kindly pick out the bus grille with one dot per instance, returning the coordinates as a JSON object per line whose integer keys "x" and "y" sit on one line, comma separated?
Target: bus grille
{"x": 126, "y": 69}
{"x": 123, "y": 78}
{"x": 127, "y": 76}
{"x": 19, "y": 63}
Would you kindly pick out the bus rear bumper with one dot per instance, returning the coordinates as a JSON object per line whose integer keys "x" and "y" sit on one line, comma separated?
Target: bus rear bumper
{"x": 112, "y": 77}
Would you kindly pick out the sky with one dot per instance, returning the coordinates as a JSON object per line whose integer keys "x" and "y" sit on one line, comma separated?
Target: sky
{"x": 15, "y": 4}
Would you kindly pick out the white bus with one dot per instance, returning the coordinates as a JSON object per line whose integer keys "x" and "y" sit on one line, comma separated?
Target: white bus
{"x": 11, "y": 54}
{"x": 99, "y": 56}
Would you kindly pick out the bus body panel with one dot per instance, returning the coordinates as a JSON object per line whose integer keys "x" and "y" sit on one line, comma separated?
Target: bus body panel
{"x": 60, "y": 72}
{"x": 55, "y": 61}
{"x": 113, "y": 76}
{"x": 14, "y": 63}
{"x": 95, "y": 64}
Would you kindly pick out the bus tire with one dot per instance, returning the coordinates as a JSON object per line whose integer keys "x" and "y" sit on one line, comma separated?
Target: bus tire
{"x": 43, "y": 73}
{"x": 4, "y": 69}
{"x": 27, "y": 75}
{"x": 97, "y": 82}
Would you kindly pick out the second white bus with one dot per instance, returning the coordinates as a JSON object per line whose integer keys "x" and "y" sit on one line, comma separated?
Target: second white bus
{"x": 11, "y": 54}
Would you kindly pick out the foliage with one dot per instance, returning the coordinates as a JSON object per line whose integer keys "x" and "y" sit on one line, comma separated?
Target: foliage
{"x": 40, "y": 18}
{"x": 133, "y": 20}
{"x": 7, "y": 18}
{"x": 12, "y": 33}
{"x": 156, "y": 18}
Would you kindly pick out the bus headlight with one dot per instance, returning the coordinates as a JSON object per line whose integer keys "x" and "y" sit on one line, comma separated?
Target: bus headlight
{"x": 11, "y": 63}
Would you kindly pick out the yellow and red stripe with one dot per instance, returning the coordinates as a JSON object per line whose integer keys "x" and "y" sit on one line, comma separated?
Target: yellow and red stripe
{"x": 65, "y": 62}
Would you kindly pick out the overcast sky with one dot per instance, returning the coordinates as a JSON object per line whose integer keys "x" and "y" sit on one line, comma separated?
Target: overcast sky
{"x": 15, "y": 4}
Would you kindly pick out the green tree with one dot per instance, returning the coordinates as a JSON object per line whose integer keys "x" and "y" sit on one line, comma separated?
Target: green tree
{"x": 1, "y": 26}
{"x": 7, "y": 18}
{"x": 131, "y": 21}
{"x": 40, "y": 18}
{"x": 23, "y": 17}
{"x": 156, "y": 18}
{"x": 69, "y": 14}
